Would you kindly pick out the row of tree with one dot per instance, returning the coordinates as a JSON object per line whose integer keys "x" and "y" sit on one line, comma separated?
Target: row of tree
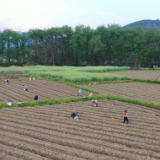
{"x": 109, "y": 45}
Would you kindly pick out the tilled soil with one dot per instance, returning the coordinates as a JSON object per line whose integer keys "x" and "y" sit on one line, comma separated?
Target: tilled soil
{"x": 141, "y": 91}
{"x": 45, "y": 89}
{"x": 152, "y": 75}
{"x": 48, "y": 132}
{"x": 4, "y": 77}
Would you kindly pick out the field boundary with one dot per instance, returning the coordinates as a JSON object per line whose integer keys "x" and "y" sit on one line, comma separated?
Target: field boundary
{"x": 49, "y": 101}
{"x": 98, "y": 82}
{"x": 146, "y": 81}
{"x": 130, "y": 100}
{"x": 133, "y": 101}
{"x": 102, "y": 96}
{"x": 84, "y": 88}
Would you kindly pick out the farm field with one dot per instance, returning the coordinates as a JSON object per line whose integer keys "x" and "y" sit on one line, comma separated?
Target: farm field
{"x": 142, "y": 91}
{"x": 152, "y": 75}
{"x": 70, "y": 73}
{"x": 48, "y": 132}
{"x": 45, "y": 89}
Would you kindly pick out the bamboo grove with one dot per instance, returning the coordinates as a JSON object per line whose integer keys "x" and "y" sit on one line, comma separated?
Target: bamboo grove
{"x": 81, "y": 46}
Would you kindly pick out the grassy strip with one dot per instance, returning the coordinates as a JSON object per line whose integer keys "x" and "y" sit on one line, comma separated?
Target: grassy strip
{"x": 80, "y": 87}
{"x": 146, "y": 81}
{"x": 101, "y": 69}
{"x": 72, "y": 74}
{"x": 133, "y": 101}
{"x": 50, "y": 101}
{"x": 84, "y": 88}
{"x": 105, "y": 82}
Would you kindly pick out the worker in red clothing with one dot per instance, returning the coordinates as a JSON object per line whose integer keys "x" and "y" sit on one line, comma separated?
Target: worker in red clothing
{"x": 126, "y": 117}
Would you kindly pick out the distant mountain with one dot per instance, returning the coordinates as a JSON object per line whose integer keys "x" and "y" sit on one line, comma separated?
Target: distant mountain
{"x": 145, "y": 24}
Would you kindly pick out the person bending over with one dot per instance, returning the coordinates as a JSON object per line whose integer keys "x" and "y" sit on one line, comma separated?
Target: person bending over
{"x": 36, "y": 97}
{"x": 79, "y": 93}
{"x": 74, "y": 114}
{"x": 25, "y": 88}
{"x": 95, "y": 103}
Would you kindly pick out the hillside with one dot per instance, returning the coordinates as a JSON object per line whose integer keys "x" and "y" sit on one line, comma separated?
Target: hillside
{"x": 145, "y": 24}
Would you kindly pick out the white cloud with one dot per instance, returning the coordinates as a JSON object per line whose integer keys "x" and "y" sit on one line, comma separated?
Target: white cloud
{"x": 29, "y": 14}
{"x": 22, "y": 15}
{"x": 78, "y": 12}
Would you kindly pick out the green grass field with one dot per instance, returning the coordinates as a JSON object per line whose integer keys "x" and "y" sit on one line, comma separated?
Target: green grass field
{"x": 72, "y": 74}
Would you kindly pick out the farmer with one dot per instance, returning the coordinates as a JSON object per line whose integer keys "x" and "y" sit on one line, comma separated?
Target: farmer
{"x": 36, "y": 97}
{"x": 95, "y": 103}
{"x": 25, "y": 88}
{"x": 74, "y": 114}
{"x": 126, "y": 117}
{"x": 7, "y": 81}
{"x": 79, "y": 93}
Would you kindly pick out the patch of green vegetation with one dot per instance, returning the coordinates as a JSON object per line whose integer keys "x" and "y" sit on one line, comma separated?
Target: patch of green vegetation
{"x": 84, "y": 88}
{"x": 50, "y": 101}
{"x": 146, "y": 81}
{"x": 73, "y": 74}
{"x": 133, "y": 101}
{"x": 102, "y": 69}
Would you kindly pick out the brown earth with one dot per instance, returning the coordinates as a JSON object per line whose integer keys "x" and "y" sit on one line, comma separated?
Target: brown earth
{"x": 14, "y": 91}
{"x": 152, "y": 75}
{"x": 142, "y": 91}
{"x": 48, "y": 132}
{"x": 4, "y": 77}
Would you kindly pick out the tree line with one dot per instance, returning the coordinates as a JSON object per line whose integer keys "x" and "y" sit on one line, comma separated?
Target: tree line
{"x": 81, "y": 46}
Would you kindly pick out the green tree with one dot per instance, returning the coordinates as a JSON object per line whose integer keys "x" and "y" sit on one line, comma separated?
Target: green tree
{"x": 135, "y": 46}
{"x": 2, "y": 48}
{"x": 67, "y": 53}
{"x": 96, "y": 48}
{"x": 8, "y": 38}
{"x": 151, "y": 36}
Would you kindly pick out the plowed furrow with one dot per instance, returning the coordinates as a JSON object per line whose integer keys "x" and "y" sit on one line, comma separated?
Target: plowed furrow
{"x": 82, "y": 139}
{"x": 36, "y": 150}
{"x": 94, "y": 127}
{"x": 80, "y": 131}
{"x": 99, "y": 149}
{"x": 21, "y": 154}
{"x": 53, "y": 146}
{"x": 89, "y": 119}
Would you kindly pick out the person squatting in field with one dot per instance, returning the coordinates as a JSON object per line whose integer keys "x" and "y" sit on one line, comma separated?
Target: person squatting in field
{"x": 74, "y": 114}
{"x": 7, "y": 81}
{"x": 79, "y": 93}
{"x": 95, "y": 103}
{"x": 25, "y": 88}
{"x": 126, "y": 117}
{"x": 36, "y": 97}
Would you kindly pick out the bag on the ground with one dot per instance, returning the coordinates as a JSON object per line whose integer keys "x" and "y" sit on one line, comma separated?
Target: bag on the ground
{"x": 76, "y": 117}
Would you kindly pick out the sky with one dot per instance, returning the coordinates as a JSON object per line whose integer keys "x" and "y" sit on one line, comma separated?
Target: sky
{"x": 22, "y": 15}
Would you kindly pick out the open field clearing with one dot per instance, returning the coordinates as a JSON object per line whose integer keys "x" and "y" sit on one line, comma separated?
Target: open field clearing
{"x": 48, "y": 132}
{"x": 141, "y": 91}
{"x": 152, "y": 75}
{"x": 71, "y": 74}
{"x": 45, "y": 89}
{"x": 66, "y": 68}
